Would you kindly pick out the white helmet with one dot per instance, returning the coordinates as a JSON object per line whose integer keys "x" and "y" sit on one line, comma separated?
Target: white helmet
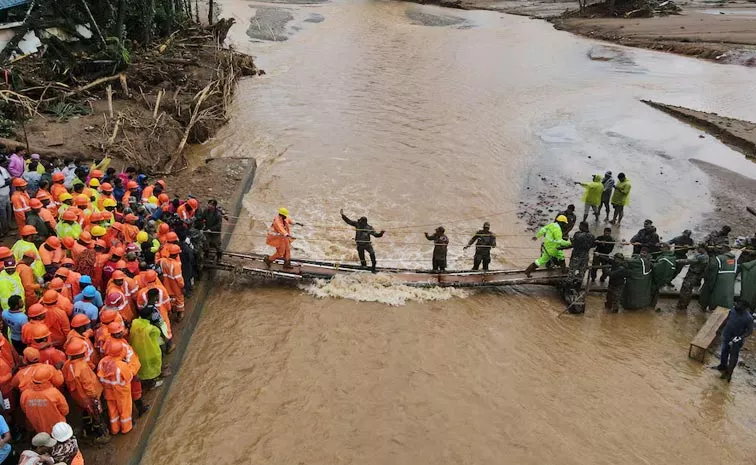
{"x": 62, "y": 432}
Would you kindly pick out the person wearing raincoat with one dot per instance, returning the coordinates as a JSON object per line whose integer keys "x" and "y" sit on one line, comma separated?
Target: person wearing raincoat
{"x": 718, "y": 289}
{"x": 592, "y": 196}
{"x": 552, "y": 244}
{"x": 145, "y": 339}
{"x": 25, "y": 244}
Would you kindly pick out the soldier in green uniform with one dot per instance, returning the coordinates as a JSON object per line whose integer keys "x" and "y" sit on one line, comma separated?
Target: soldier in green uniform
{"x": 719, "y": 283}
{"x": 693, "y": 277}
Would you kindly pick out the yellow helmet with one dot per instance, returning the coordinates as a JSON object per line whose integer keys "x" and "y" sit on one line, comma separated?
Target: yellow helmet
{"x": 561, "y": 219}
{"x": 108, "y": 203}
{"x": 283, "y": 211}
{"x": 153, "y": 200}
{"x": 98, "y": 231}
{"x": 65, "y": 196}
{"x": 142, "y": 237}
{"x": 94, "y": 182}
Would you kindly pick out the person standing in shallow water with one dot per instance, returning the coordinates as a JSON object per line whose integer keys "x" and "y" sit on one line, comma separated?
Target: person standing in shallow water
{"x": 739, "y": 326}
{"x": 362, "y": 234}
{"x": 441, "y": 244}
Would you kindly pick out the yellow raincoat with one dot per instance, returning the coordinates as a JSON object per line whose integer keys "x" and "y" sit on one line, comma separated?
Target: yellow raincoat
{"x": 20, "y": 248}
{"x": 145, "y": 339}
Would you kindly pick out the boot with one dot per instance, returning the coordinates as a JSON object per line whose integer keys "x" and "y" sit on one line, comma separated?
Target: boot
{"x": 726, "y": 375}
{"x": 530, "y": 269}
{"x": 267, "y": 261}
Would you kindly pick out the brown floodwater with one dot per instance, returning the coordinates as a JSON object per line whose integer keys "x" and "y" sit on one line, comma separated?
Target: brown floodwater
{"x": 417, "y": 116}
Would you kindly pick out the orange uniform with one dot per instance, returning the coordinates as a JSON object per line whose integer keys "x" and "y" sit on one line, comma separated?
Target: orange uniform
{"x": 125, "y": 309}
{"x": 23, "y": 378}
{"x": 115, "y": 376}
{"x": 44, "y": 406}
{"x": 100, "y": 260}
{"x": 72, "y": 282}
{"x": 163, "y": 303}
{"x": 174, "y": 282}
{"x": 279, "y": 236}
{"x": 9, "y": 354}
{"x": 28, "y": 330}
{"x": 101, "y": 200}
{"x": 129, "y": 288}
{"x": 58, "y": 323}
{"x": 51, "y": 356}
{"x": 130, "y": 232}
{"x": 147, "y": 193}
{"x": 47, "y": 217}
{"x": 20, "y": 201}
{"x": 92, "y": 357}
{"x": 55, "y": 192}
{"x": 184, "y": 214}
{"x": 82, "y": 384}
{"x": 6, "y": 379}
{"x": 31, "y": 286}
{"x": 65, "y": 304}
{"x": 52, "y": 257}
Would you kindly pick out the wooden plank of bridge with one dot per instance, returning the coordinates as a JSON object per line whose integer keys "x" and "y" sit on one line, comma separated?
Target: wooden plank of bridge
{"x": 708, "y": 332}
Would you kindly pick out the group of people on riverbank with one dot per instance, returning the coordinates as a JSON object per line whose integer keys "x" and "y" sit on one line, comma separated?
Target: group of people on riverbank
{"x": 90, "y": 292}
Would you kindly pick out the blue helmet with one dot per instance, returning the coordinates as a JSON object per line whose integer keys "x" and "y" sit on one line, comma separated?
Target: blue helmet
{"x": 85, "y": 280}
{"x": 89, "y": 292}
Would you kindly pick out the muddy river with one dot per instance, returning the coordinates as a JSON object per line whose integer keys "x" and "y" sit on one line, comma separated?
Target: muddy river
{"x": 417, "y": 116}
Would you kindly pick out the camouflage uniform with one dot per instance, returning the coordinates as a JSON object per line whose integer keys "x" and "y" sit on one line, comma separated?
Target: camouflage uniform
{"x": 693, "y": 277}
{"x": 616, "y": 287}
{"x": 582, "y": 242}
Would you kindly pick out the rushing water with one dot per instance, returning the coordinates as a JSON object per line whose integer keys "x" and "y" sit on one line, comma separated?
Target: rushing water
{"x": 417, "y": 116}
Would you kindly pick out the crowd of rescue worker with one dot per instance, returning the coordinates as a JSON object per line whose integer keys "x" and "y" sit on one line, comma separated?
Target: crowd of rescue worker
{"x": 98, "y": 273}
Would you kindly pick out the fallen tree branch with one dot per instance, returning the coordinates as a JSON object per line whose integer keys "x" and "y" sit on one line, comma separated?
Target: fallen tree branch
{"x": 85, "y": 88}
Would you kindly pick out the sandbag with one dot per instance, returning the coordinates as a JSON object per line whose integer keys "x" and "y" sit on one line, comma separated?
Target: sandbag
{"x": 639, "y": 287}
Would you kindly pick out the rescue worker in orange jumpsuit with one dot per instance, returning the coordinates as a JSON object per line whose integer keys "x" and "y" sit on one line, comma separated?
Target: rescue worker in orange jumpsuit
{"x": 44, "y": 213}
{"x": 20, "y": 201}
{"x": 52, "y": 254}
{"x": 56, "y": 318}
{"x": 101, "y": 257}
{"x": 64, "y": 302}
{"x": 101, "y": 333}
{"x": 84, "y": 387}
{"x": 130, "y": 229}
{"x": 58, "y": 188}
{"x": 127, "y": 286}
{"x": 28, "y": 280}
{"x": 9, "y": 362}
{"x": 163, "y": 303}
{"x": 279, "y": 236}
{"x": 106, "y": 193}
{"x": 162, "y": 232}
{"x": 115, "y": 376}
{"x": 187, "y": 210}
{"x": 116, "y": 300}
{"x": 81, "y": 330}
{"x": 36, "y": 314}
{"x": 82, "y": 245}
{"x": 43, "y": 404}
{"x": 47, "y": 353}
{"x": 173, "y": 279}
{"x": 132, "y": 189}
{"x": 23, "y": 378}
{"x": 118, "y": 333}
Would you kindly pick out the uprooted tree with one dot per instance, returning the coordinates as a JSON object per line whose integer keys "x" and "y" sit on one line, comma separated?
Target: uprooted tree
{"x": 152, "y": 53}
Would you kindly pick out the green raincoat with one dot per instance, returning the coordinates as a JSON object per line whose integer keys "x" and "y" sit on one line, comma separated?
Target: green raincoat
{"x": 665, "y": 269}
{"x": 20, "y": 248}
{"x": 145, "y": 339}
{"x": 552, "y": 243}
{"x": 593, "y": 191}
{"x": 639, "y": 288}
{"x": 719, "y": 282}
{"x": 621, "y": 194}
{"x": 748, "y": 283}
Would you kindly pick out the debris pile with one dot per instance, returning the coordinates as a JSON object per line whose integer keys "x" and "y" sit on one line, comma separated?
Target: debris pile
{"x": 626, "y": 9}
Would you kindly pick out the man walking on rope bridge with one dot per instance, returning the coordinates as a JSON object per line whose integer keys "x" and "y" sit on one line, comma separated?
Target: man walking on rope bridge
{"x": 552, "y": 244}
{"x": 484, "y": 241}
{"x": 279, "y": 236}
{"x": 362, "y": 234}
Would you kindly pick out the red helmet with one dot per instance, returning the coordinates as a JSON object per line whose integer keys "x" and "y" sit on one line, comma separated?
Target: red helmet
{"x": 95, "y": 217}
{"x": 161, "y": 182}
{"x": 50, "y": 297}
{"x": 114, "y": 299}
{"x": 117, "y": 252}
{"x": 28, "y": 230}
{"x": 42, "y": 373}
{"x": 131, "y": 218}
{"x": 76, "y": 347}
{"x": 120, "y": 265}
{"x": 79, "y": 320}
{"x": 36, "y": 310}
{"x": 163, "y": 198}
{"x": 81, "y": 200}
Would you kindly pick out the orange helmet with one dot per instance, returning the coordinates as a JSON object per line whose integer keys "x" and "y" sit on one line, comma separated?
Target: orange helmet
{"x": 62, "y": 271}
{"x": 118, "y": 251}
{"x": 40, "y": 331}
{"x": 150, "y": 276}
{"x": 35, "y": 203}
{"x": 171, "y": 237}
{"x": 31, "y": 355}
{"x": 132, "y": 185}
{"x": 19, "y": 182}
{"x": 76, "y": 347}
{"x": 85, "y": 237}
{"x": 42, "y": 195}
{"x": 120, "y": 265}
{"x": 95, "y": 217}
{"x": 69, "y": 215}
{"x": 36, "y": 310}
{"x": 131, "y": 218}
{"x": 164, "y": 228}
{"x": 42, "y": 374}
{"x": 106, "y": 187}
{"x": 106, "y": 215}
{"x": 50, "y": 297}
{"x": 117, "y": 226}
{"x": 28, "y": 230}
{"x": 163, "y": 198}
{"x": 118, "y": 274}
{"x": 173, "y": 249}
{"x": 161, "y": 182}
{"x": 96, "y": 174}
{"x": 193, "y": 203}
{"x": 57, "y": 283}
{"x": 115, "y": 327}
{"x": 100, "y": 243}
{"x": 57, "y": 177}
{"x": 115, "y": 348}
{"x": 79, "y": 320}
{"x": 81, "y": 200}
{"x": 108, "y": 316}
{"x": 5, "y": 252}
{"x": 53, "y": 242}
{"x": 68, "y": 242}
